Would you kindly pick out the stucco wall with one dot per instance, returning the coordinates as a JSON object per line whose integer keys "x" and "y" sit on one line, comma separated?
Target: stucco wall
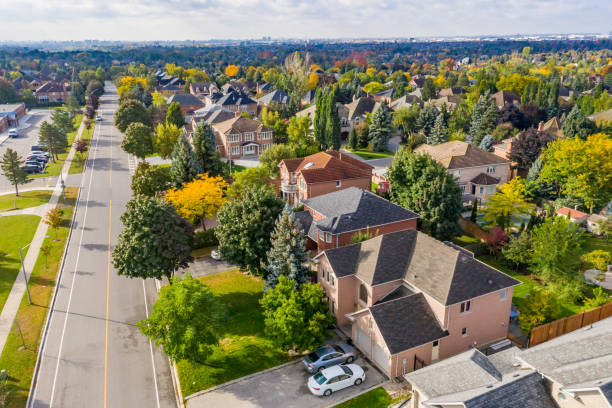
{"x": 502, "y": 172}
{"x": 584, "y": 399}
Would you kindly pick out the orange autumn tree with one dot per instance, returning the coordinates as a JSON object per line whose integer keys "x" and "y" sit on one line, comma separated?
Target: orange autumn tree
{"x": 231, "y": 70}
{"x": 198, "y": 199}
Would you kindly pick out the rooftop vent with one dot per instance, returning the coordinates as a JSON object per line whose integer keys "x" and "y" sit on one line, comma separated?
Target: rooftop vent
{"x": 308, "y": 165}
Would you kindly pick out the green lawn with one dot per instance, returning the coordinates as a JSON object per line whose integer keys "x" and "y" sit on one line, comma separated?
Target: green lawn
{"x": 236, "y": 168}
{"x": 377, "y": 398}
{"x": 54, "y": 168}
{"x": 16, "y": 359}
{"x": 79, "y": 162}
{"x": 26, "y": 199}
{"x": 17, "y": 231}
{"x": 243, "y": 348}
{"x": 368, "y": 155}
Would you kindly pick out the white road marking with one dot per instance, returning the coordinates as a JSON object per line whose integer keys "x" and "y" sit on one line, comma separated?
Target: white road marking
{"x": 150, "y": 344}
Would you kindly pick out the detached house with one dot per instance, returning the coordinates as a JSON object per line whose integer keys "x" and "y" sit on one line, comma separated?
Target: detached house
{"x": 477, "y": 171}
{"x": 242, "y": 136}
{"x": 53, "y": 92}
{"x": 410, "y": 299}
{"x": 238, "y": 102}
{"x": 189, "y": 102}
{"x": 276, "y": 97}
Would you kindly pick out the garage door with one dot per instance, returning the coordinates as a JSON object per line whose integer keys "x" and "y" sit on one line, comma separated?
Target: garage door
{"x": 381, "y": 358}
{"x": 362, "y": 340}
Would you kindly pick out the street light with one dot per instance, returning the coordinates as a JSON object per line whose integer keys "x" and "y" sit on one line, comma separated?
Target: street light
{"x": 25, "y": 277}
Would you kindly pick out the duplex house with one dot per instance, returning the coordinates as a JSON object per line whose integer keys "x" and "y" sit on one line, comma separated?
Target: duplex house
{"x": 189, "y": 102}
{"x": 238, "y": 102}
{"x": 240, "y": 136}
{"x": 331, "y": 220}
{"x": 410, "y": 299}
{"x": 477, "y": 171}
{"x": 322, "y": 173}
{"x": 53, "y": 92}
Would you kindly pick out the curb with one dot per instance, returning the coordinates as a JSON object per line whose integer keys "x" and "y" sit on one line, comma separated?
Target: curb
{"x": 358, "y": 394}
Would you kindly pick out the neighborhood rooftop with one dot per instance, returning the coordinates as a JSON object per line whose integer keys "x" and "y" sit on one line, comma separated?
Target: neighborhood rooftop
{"x": 457, "y": 155}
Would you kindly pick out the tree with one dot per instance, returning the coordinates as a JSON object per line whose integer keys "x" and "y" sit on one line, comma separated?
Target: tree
{"x": 332, "y": 124}
{"x": 129, "y": 112}
{"x": 8, "y": 94}
{"x": 429, "y": 90}
{"x": 598, "y": 259}
{"x": 138, "y": 140}
{"x": 380, "y": 129}
{"x": 510, "y": 113}
{"x": 249, "y": 178}
{"x": 474, "y": 214}
{"x": 185, "y": 320}
{"x": 541, "y": 307}
{"x": 231, "y": 70}
{"x": 300, "y": 136}
{"x": 245, "y": 225}
{"x": 155, "y": 241}
{"x": 484, "y": 118}
{"x": 421, "y": 184}
{"x": 517, "y": 249}
{"x": 320, "y": 119}
{"x": 509, "y": 201}
{"x": 427, "y": 120}
{"x": 166, "y": 137}
{"x": 198, "y": 199}
{"x": 185, "y": 165}
{"x": 175, "y": 116}
{"x": 600, "y": 297}
{"x": 576, "y": 125}
{"x": 53, "y": 218}
{"x": 81, "y": 147}
{"x": 352, "y": 139}
{"x": 204, "y": 150}
{"x": 528, "y": 145}
{"x": 363, "y": 135}
{"x": 158, "y": 99}
{"x": 496, "y": 239}
{"x": 271, "y": 157}
{"x": 150, "y": 180}
{"x": 405, "y": 119}
{"x": 296, "y": 319}
{"x": 12, "y": 169}
{"x": 287, "y": 255}
{"x": 73, "y": 106}
{"x": 95, "y": 87}
{"x": 439, "y": 133}
{"x": 62, "y": 120}
{"x": 27, "y": 97}
{"x": 486, "y": 143}
{"x": 93, "y": 101}
{"x": 53, "y": 139}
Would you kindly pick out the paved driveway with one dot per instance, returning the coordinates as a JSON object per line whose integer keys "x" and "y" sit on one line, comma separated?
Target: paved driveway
{"x": 282, "y": 387}
{"x": 206, "y": 266}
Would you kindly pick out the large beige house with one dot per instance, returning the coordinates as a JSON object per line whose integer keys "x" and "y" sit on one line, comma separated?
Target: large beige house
{"x": 242, "y": 136}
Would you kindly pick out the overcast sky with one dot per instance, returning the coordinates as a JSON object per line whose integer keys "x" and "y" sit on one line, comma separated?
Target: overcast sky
{"x": 206, "y": 19}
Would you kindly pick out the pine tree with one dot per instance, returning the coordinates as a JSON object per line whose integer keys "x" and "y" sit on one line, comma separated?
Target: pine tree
{"x": 12, "y": 168}
{"x": 185, "y": 165}
{"x": 487, "y": 143}
{"x": 352, "y": 139}
{"x": 174, "y": 115}
{"x": 287, "y": 255}
{"x": 439, "y": 133}
{"x": 484, "y": 118}
{"x": 320, "y": 119}
{"x": 427, "y": 120}
{"x": 380, "y": 129}
{"x": 332, "y": 126}
{"x": 204, "y": 150}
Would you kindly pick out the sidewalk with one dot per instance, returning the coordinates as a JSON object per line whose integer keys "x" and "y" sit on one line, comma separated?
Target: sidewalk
{"x": 39, "y": 210}
{"x": 14, "y": 298}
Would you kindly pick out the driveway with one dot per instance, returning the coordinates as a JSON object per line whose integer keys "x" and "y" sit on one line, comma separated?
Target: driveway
{"x": 284, "y": 386}
{"x": 206, "y": 266}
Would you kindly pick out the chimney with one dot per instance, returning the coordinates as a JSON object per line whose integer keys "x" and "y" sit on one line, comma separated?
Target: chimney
{"x": 540, "y": 126}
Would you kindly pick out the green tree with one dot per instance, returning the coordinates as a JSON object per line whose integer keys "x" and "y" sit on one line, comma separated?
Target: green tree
{"x": 12, "y": 169}
{"x": 150, "y": 180}
{"x": 439, "y": 133}
{"x": 185, "y": 320}
{"x": 598, "y": 259}
{"x": 509, "y": 201}
{"x": 474, "y": 214}
{"x": 73, "y": 106}
{"x": 249, "y": 178}
{"x": 320, "y": 119}
{"x": 165, "y": 139}
{"x": 517, "y": 249}
{"x": 154, "y": 242}
{"x": 287, "y": 255}
{"x": 380, "y": 128}
{"x": 363, "y": 135}
{"x": 175, "y": 115}
{"x": 27, "y": 97}
{"x": 245, "y": 224}
{"x": 270, "y": 157}
{"x": 131, "y": 111}
{"x": 332, "y": 124}
{"x": 205, "y": 151}
{"x": 484, "y": 118}
{"x": 421, "y": 184}
{"x": 576, "y": 125}
{"x": 600, "y": 297}
{"x": 541, "y": 307}
{"x": 429, "y": 90}
{"x": 62, "y": 120}
{"x": 296, "y": 319}
{"x": 95, "y": 87}
{"x": 8, "y": 94}
{"x": 300, "y": 136}
{"x": 185, "y": 165}
{"x": 405, "y": 119}
{"x": 427, "y": 120}
{"x": 352, "y": 139}
{"x": 53, "y": 139}
{"x": 138, "y": 140}
{"x": 100, "y": 74}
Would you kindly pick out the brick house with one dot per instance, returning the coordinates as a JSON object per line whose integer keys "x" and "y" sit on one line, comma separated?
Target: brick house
{"x": 411, "y": 300}
{"x": 477, "y": 171}
{"x": 3, "y": 124}
{"x": 52, "y": 92}
{"x": 189, "y": 103}
{"x": 322, "y": 173}
{"x": 331, "y": 220}
{"x": 12, "y": 113}
{"x": 240, "y": 136}
{"x": 202, "y": 89}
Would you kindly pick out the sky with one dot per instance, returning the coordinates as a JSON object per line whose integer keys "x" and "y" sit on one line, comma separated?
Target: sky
{"x": 138, "y": 20}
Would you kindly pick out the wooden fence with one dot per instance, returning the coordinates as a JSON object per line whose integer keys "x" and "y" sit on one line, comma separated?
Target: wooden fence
{"x": 548, "y": 331}
{"x": 471, "y": 228}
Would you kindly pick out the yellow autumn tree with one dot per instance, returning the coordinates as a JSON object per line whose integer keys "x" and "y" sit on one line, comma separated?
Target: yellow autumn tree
{"x": 127, "y": 82}
{"x": 198, "y": 199}
{"x": 313, "y": 80}
{"x": 231, "y": 70}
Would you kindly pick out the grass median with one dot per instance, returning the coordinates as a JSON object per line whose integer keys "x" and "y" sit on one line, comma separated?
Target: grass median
{"x": 26, "y": 199}
{"x": 78, "y": 162}
{"x": 19, "y": 355}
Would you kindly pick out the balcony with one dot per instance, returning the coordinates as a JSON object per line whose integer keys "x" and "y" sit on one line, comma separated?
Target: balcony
{"x": 287, "y": 187}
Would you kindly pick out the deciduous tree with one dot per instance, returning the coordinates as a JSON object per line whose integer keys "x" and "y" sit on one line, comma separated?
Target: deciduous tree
{"x": 150, "y": 180}
{"x": 138, "y": 140}
{"x": 165, "y": 139}
{"x": 271, "y": 157}
{"x": 528, "y": 145}
{"x": 198, "y": 199}
{"x": 129, "y": 112}
{"x": 204, "y": 149}
{"x": 174, "y": 115}
{"x": 53, "y": 218}
{"x": 509, "y": 201}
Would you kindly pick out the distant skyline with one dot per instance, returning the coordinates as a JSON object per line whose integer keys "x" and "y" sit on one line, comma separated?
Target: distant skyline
{"x": 154, "y": 20}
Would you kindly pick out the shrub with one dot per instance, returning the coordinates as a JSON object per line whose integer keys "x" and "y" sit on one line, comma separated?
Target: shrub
{"x": 205, "y": 238}
{"x": 597, "y": 259}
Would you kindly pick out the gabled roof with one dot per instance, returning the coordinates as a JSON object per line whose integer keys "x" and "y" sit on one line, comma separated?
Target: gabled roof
{"x": 235, "y": 98}
{"x": 277, "y": 95}
{"x": 484, "y": 179}
{"x": 458, "y": 155}
{"x": 309, "y": 96}
{"x": 214, "y": 116}
{"x": 404, "y": 101}
{"x": 360, "y": 106}
{"x": 575, "y": 214}
{"x": 387, "y": 93}
{"x": 452, "y": 91}
{"x": 240, "y": 124}
{"x": 503, "y": 97}
{"x": 327, "y": 166}
{"x": 50, "y": 87}
{"x": 185, "y": 99}
{"x": 448, "y": 275}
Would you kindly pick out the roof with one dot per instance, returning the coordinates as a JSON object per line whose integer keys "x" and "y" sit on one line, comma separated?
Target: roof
{"x": 50, "y": 87}
{"x": 603, "y": 115}
{"x": 9, "y": 107}
{"x": 388, "y": 93}
{"x": 354, "y": 209}
{"x": 406, "y": 322}
{"x": 276, "y": 96}
{"x": 235, "y": 98}
{"x": 458, "y": 155}
{"x": 186, "y": 99}
{"x": 452, "y": 91}
{"x": 448, "y": 275}
{"x": 575, "y": 214}
{"x": 309, "y": 96}
{"x": 404, "y": 101}
{"x": 240, "y": 124}
{"x": 327, "y": 166}
{"x": 213, "y": 115}
{"x": 503, "y": 97}
{"x": 484, "y": 179}
{"x": 360, "y": 106}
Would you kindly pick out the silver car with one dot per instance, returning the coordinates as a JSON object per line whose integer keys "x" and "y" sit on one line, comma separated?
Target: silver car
{"x": 329, "y": 355}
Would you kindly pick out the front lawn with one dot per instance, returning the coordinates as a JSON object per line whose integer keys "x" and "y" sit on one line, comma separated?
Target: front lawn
{"x": 236, "y": 168}
{"x": 377, "y": 398}
{"x": 243, "y": 349}
{"x": 26, "y": 199}
{"x": 54, "y": 168}
{"x": 365, "y": 154}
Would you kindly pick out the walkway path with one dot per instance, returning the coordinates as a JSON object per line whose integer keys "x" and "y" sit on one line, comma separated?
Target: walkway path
{"x": 14, "y": 298}
{"x": 39, "y": 210}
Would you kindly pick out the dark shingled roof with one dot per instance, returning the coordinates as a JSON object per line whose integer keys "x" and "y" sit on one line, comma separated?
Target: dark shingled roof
{"x": 485, "y": 180}
{"x": 186, "y": 99}
{"x": 234, "y": 98}
{"x": 406, "y": 322}
{"x": 606, "y": 390}
{"x": 525, "y": 392}
{"x": 360, "y": 106}
{"x": 277, "y": 95}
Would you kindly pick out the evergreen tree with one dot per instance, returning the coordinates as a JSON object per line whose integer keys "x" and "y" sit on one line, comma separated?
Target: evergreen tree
{"x": 204, "y": 150}
{"x": 185, "y": 165}
{"x": 332, "y": 125}
{"x": 439, "y": 133}
{"x": 12, "y": 168}
{"x": 287, "y": 255}
{"x": 380, "y": 129}
{"x": 474, "y": 214}
{"x": 486, "y": 143}
{"x": 484, "y": 119}
{"x": 576, "y": 125}
{"x": 320, "y": 119}
{"x": 363, "y": 135}
{"x": 352, "y": 139}
{"x": 429, "y": 90}
{"x": 427, "y": 120}
{"x": 174, "y": 115}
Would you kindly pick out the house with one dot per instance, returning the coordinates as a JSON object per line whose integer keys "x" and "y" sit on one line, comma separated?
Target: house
{"x": 13, "y": 112}
{"x": 212, "y": 114}
{"x": 308, "y": 98}
{"x": 52, "y": 92}
{"x": 202, "y": 89}
{"x": 503, "y": 148}
{"x": 502, "y": 98}
{"x": 358, "y": 109}
{"x": 452, "y": 91}
{"x": 238, "y": 102}
{"x": 417, "y": 81}
{"x": 189, "y": 102}
{"x": 565, "y": 93}
{"x": 264, "y": 87}
{"x": 386, "y": 95}
{"x": 331, "y": 220}
{"x": 552, "y": 126}
{"x": 474, "y": 380}
{"x": 477, "y": 171}
{"x": 405, "y": 101}
{"x": 410, "y": 299}
{"x": 576, "y": 367}
{"x": 594, "y": 222}
{"x": 240, "y": 136}
{"x": 576, "y": 216}
{"x": 322, "y": 173}
{"x": 277, "y": 97}
{"x": 450, "y": 102}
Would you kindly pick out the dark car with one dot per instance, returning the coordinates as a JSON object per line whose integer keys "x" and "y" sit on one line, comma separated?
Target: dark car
{"x": 31, "y": 169}
{"x": 38, "y": 148}
{"x": 329, "y": 355}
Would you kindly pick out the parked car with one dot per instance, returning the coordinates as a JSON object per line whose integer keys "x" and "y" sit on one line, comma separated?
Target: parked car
{"x": 38, "y": 153}
{"x": 31, "y": 169}
{"x": 215, "y": 254}
{"x": 13, "y": 133}
{"x": 38, "y": 159}
{"x": 328, "y": 356}
{"x": 98, "y": 118}
{"x": 335, "y": 378}
{"x": 37, "y": 148}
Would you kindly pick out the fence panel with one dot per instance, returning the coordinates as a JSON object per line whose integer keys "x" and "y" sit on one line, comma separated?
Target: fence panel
{"x": 606, "y": 311}
{"x": 591, "y": 316}
{"x": 573, "y": 322}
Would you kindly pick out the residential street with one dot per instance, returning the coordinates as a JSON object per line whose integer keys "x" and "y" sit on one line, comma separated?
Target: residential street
{"x": 93, "y": 354}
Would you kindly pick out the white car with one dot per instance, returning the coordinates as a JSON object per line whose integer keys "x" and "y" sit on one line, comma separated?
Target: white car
{"x": 13, "y": 133}
{"x": 98, "y": 118}
{"x": 214, "y": 254}
{"x": 335, "y": 378}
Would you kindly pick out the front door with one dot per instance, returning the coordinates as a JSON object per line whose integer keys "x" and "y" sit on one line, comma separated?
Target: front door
{"x": 473, "y": 189}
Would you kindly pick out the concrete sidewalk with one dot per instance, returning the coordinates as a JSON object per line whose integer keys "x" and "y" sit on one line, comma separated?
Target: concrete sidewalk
{"x": 39, "y": 210}
{"x": 19, "y": 286}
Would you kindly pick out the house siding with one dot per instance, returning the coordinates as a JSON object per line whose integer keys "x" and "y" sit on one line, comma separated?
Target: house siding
{"x": 590, "y": 399}
{"x": 502, "y": 172}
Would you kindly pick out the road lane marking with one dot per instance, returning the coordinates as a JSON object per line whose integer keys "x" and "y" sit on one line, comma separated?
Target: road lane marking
{"x": 110, "y": 207}
{"x": 144, "y": 290}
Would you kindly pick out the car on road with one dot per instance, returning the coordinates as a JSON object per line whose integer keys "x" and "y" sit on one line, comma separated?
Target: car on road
{"x": 329, "y": 355}
{"x": 13, "y": 133}
{"x": 98, "y": 118}
{"x": 215, "y": 254}
{"x": 335, "y": 378}
{"x": 38, "y": 159}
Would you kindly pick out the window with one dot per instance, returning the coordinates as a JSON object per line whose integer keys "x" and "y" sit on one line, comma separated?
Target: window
{"x": 327, "y": 274}
{"x": 265, "y": 146}
{"x": 465, "y": 307}
{"x": 457, "y": 173}
{"x": 464, "y": 331}
{"x": 490, "y": 189}
{"x": 332, "y": 306}
{"x": 235, "y": 150}
{"x": 435, "y": 343}
{"x": 338, "y": 183}
{"x": 482, "y": 190}
{"x": 363, "y": 294}
{"x": 234, "y": 138}
{"x": 332, "y": 280}
{"x": 462, "y": 187}
{"x": 248, "y": 137}
{"x": 265, "y": 135}
{"x": 491, "y": 169}
{"x": 328, "y": 237}
{"x": 244, "y": 108}
{"x": 502, "y": 294}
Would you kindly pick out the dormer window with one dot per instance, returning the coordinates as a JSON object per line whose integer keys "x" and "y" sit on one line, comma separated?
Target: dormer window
{"x": 491, "y": 169}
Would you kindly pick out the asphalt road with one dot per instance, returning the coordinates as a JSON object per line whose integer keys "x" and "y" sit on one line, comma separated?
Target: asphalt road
{"x": 94, "y": 354}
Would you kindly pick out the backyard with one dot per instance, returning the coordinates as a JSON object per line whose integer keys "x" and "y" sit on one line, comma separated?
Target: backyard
{"x": 366, "y": 154}
{"x": 243, "y": 349}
